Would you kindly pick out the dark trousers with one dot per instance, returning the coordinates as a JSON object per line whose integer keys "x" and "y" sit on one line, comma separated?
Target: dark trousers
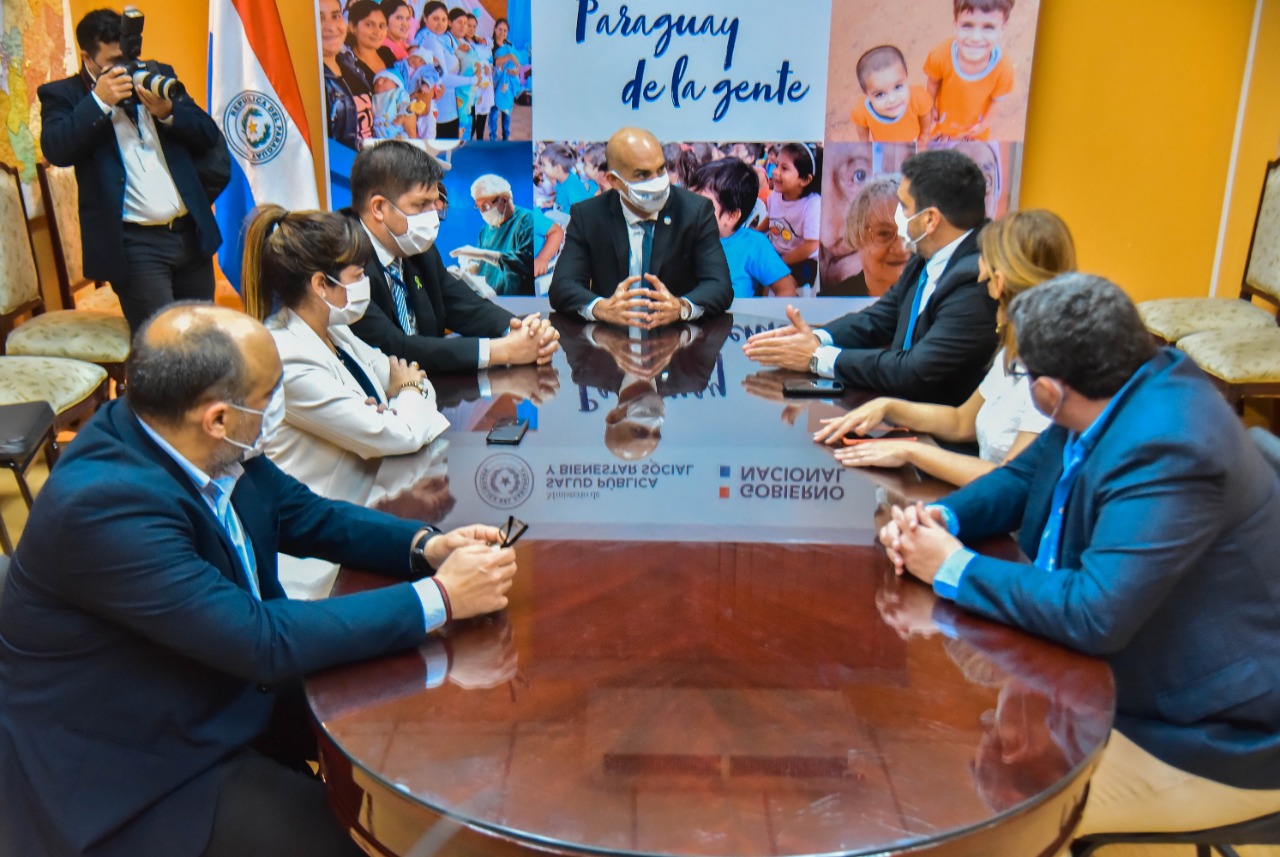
{"x": 447, "y": 130}
{"x": 479, "y": 121}
{"x": 165, "y": 265}
{"x": 268, "y": 800}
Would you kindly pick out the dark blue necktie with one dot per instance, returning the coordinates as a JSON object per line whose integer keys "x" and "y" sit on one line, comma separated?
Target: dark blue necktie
{"x": 646, "y": 246}
{"x": 915, "y": 308}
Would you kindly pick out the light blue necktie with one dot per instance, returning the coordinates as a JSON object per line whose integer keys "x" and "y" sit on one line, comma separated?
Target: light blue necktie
{"x": 400, "y": 294}
{"x": 1073, "y": 455}
{"x": 235, "y": 532}
{"x": 915, "y": 308}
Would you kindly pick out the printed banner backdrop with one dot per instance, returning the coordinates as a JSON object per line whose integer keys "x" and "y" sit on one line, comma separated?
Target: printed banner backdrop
{"x": 840, "y": 92}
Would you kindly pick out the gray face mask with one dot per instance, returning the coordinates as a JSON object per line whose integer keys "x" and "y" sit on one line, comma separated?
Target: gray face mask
{"x": 648, "y": 196}
{"x": 272, "y": 418}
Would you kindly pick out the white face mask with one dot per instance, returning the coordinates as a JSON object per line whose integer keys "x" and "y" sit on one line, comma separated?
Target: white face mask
{"x": 493, "y": 217}
{"x": 648, "y": 196}
{"x": 272, "y": 417}
{"x": 648, "y": 410}
{"x": 901, "y": 219}
{"x": 423, "y": 229}
{"x": 357, "y": 302}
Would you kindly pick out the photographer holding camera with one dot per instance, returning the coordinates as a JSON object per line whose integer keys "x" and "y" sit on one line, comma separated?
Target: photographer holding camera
{"x": 136, "y": 141}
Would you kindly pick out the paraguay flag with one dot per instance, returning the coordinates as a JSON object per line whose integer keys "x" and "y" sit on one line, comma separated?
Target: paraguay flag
{"x": 254, "y": 98}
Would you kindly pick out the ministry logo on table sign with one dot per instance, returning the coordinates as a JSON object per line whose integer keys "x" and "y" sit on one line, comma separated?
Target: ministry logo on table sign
{"x": 255, "y": 126}
{"x": 504, "y": 481}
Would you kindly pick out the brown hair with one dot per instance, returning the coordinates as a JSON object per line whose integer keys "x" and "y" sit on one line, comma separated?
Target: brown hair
{"x": 1004, "y": 7}
{"x": 283, "y": 250}
{"x": 1027, "y": 247}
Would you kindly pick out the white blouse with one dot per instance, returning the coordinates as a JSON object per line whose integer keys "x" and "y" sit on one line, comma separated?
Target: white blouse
{"x": 1006, "y": 410}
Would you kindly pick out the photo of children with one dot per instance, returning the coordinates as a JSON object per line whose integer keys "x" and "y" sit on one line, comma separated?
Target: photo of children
{"x": 967, "y": 61}
{"x": 425, "y": 69}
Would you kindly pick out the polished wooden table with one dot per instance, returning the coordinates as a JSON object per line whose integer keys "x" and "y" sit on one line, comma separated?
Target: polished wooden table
{"x": 705, "y": 653}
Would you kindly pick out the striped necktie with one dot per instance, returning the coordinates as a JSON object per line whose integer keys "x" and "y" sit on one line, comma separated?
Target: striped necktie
{"x": 400, "y": 294}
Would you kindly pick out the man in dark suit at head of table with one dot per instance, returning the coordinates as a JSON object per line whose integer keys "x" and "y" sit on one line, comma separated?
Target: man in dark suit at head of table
{"x": 644, "y": 254}
{"x": 414, "y": 300}
{"x": 930, "y": 338}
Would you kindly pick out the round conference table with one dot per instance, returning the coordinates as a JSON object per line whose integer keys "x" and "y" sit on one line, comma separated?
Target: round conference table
{"x": 705, "y": 652}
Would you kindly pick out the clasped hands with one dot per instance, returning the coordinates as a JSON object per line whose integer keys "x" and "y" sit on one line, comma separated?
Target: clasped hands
{"x": 473, "y": 568}
{"x": 917, "y": 540}
{"x": 531, "y": 339}
{"x": 645, "y": 308}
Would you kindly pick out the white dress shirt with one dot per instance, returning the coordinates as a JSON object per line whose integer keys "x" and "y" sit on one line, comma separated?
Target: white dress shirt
{"x": 150, "y": 196}
{"x": 827, "y": 353}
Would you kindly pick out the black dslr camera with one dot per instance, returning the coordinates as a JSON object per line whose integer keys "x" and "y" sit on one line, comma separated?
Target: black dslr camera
{"x": 146, "y": 74}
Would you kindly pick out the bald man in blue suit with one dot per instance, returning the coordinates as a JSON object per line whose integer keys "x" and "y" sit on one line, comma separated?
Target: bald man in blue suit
{"x": 145, "y": 640}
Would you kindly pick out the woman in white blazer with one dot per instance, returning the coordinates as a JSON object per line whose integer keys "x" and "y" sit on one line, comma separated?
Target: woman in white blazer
{"x": 347, "y": 405}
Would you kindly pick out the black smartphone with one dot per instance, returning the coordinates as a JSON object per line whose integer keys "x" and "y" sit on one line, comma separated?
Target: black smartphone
{"x": 812, "y": 387}
{"x": 507, "y": 432}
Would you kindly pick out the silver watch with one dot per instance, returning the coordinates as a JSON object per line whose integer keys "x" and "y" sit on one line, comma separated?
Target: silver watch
{"x": 686, "y": 309}
{"x": 813, "y": 363}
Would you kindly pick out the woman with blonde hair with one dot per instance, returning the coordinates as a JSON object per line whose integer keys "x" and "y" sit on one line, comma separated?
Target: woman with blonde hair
{"x": 1019, "y": 251}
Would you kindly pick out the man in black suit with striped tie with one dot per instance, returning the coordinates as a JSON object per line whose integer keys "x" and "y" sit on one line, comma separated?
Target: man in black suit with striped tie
{"x": 644, "y": 254}
{"x": 414, "y": 300}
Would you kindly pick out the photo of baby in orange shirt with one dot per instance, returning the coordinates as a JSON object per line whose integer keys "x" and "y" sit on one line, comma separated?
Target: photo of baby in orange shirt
{"x": 894, "y": 111}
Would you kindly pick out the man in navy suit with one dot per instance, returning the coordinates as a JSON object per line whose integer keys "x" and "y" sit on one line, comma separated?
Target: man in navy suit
{"x": 146, "y": 224}
{"x": 644, "y": 254}
{"x": 1153, "y": 526}
{"x": 931, "y": 337}
{"x": 146, "y": 645}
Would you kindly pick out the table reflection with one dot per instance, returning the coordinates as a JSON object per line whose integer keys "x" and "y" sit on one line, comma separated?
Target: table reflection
{"x": 705, "y": 653}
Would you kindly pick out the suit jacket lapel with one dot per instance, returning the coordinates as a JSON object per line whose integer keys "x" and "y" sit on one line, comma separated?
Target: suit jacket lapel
{"x": 617, "y": 226}
{"x": 664, "y": 231}
{"x": 128, "y": 428}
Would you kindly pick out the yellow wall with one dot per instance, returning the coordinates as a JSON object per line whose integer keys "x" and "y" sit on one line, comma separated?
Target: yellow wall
{"x": 1132, "y": 114}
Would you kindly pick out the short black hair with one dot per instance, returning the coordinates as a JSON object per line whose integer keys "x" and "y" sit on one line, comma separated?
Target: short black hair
{"x": 203, "y": 365}
{"x": 1083, "y": 330}
{"x": 733, "y": 183}
{"x": 949, "y": 181}
{"x": 877, "y": 59}
{"x": 455, "y": 14}
{"x": 362, "y": 9}
{"x": 99, "y": 27}
{"x": 391, "y": 170}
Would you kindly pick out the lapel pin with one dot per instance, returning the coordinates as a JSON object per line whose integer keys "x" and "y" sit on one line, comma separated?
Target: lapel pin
{"x": 666, "y": 221}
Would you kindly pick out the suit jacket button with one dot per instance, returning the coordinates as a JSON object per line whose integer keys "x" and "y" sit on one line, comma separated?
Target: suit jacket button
{"x": 265, "y": 688}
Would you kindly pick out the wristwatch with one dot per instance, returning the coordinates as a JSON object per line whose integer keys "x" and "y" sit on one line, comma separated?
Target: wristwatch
{"x": 686, "y": 309}
{"x": 813, "y": 363}
{"x": 418, "y": 550}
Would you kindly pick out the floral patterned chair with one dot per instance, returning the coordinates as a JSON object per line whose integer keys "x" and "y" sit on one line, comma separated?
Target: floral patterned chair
{"x": 1173, "y": 318}
{"x": 94, "y": 337}
{"x": 1245, "y": 362}
{"x": 62, "y": 206}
